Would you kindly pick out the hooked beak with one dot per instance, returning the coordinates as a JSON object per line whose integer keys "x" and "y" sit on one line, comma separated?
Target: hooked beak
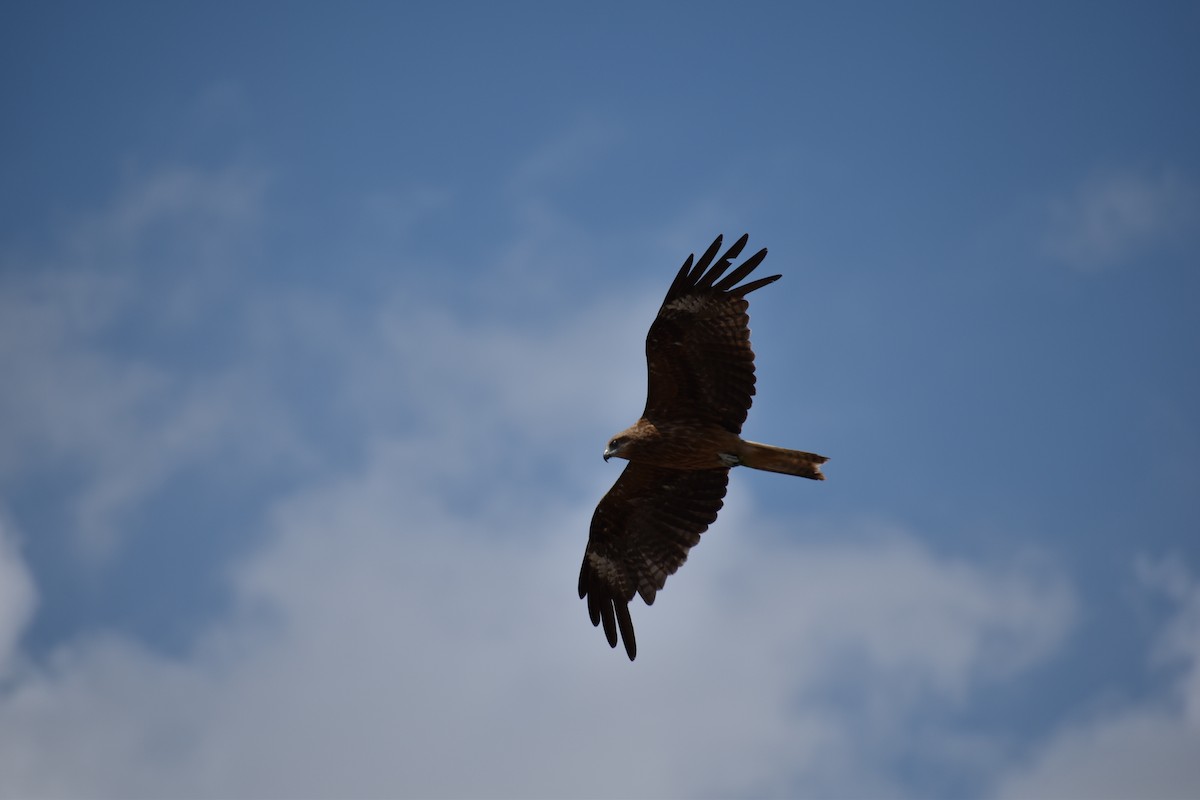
{"x": 609, "y": 452}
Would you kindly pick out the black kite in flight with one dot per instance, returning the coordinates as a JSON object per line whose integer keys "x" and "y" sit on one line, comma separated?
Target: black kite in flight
{"x": 680, "y": 452}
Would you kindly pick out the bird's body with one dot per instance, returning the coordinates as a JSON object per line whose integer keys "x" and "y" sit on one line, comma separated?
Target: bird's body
{"x": 701, "y": 382}
{"x": 676, "y": 444}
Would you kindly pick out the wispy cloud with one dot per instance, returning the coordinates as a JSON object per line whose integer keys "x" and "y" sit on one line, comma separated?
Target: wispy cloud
{"x": 17, "y": 597}
{"x": 403, "y": 606}
{"x": 1142, "y": 749}
{"x": 386, "y": 636}
{"x": 81, "y": 390}
{"x": 1120, "y": 217}
{"x": 408, "y": 593}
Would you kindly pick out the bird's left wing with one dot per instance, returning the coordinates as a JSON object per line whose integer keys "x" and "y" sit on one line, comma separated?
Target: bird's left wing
{"x": 698, "y": 354}
{"x": 641, "y": 533}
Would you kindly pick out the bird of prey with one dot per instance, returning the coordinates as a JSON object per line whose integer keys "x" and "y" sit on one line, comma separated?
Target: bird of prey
{"x": 701, "y": 384}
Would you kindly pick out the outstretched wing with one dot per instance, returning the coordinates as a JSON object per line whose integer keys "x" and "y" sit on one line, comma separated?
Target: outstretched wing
{"x": 641, "y": 533}
{"x": 698, "y": 352}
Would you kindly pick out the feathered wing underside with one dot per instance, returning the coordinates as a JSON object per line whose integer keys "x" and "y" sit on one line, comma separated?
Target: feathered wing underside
{"x": 698, "y": 354}
{"x": 641, "y": 533}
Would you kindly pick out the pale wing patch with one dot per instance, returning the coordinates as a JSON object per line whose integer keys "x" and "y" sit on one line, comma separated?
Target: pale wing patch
{"x": 608, "y": 570}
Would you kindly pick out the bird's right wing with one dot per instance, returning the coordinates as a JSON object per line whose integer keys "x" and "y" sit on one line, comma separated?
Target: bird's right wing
{"x": 641, "y": 533}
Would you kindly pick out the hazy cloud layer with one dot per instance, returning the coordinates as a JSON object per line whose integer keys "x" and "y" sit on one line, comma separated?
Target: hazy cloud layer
{"x": 411, "y": 610}
{"x": 384, "y": 638}
{"x": 1122, "y": 217}
{"x": 403, "y": 619}
{"x": 17, "y": 597}
{"x": 1139, "y": 749}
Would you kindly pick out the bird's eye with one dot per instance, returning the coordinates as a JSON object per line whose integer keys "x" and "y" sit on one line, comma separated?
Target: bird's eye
{"x": 612, "y": 445}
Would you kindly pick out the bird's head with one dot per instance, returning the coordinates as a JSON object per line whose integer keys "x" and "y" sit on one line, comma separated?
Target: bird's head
{"x": 617, "y": 447}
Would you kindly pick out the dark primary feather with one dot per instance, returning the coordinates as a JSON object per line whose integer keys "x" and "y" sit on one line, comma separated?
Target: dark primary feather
{"x": 731, "y": 280}
{"x": 698, "y": 354}
{"x": 641, "y": 533}
{"x": 706, "y": 280}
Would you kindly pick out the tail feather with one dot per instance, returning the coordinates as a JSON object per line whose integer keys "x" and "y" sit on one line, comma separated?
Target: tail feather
{"x": 779, "y": 459}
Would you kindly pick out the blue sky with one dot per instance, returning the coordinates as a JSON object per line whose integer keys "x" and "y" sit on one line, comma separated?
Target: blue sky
{"x": 314, "y": 321}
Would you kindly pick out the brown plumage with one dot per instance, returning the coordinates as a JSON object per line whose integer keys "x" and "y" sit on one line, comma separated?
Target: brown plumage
{"x": 701, "y": 384}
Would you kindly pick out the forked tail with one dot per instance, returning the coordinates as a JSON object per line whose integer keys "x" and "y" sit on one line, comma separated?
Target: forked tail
{"x": 779, "y": 459}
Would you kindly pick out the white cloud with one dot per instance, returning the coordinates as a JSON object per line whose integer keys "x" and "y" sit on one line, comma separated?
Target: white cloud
{"x": 1143, "y": 749}
{"x": 1120, "y": 216}
{"x": 389, "y": 641}
{"x": 417, "y": 613}
{"x": 151, "y": 262}
{"x": 17, "y": 597}
{"x": 408, "y": 624}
